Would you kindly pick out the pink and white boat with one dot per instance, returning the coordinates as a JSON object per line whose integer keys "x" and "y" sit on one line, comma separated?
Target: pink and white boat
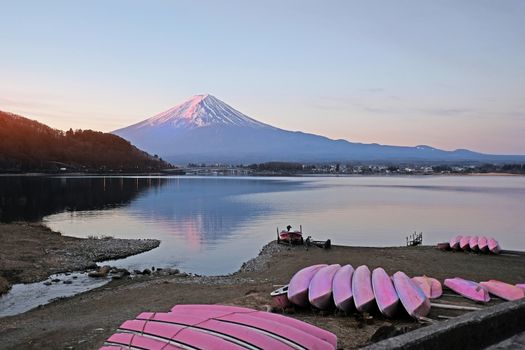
{"x": 468, "y": 289}
{"x": 483, "y": 244}
{"x": 521, "y": 286}
{"x": 473, "y": 243}
{"x": 384, "y": 292}
{"x": 464, "y": 243}
{"x": 454, "y": 242}
{"x": 493, "y": 246}
{"x": 411, "y": 296}
{"x": 503, "y": 290}
{"x": 298, "y": 286}
{"x": 137, "y": 341}
{"x": 430, "y": 286}
{"x": 320, "y": 288}
{"x": 305, "y": 327}
{"x": 362, "y": 289}
{"x": 342, "y": 288}
{"x": 179, "y": 335}
{"x": 289, "y": 335}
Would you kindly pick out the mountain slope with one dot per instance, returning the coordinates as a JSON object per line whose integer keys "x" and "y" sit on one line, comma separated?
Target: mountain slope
{"x": 27, "y": 145}
{"x": 205, "y": 129}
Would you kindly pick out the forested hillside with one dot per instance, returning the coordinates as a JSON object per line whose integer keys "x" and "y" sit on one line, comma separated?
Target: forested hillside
{"x": 27, "y": 145}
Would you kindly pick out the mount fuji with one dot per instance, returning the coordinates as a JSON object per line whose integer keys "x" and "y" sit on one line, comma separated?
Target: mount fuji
{"x": 205, "y": 129}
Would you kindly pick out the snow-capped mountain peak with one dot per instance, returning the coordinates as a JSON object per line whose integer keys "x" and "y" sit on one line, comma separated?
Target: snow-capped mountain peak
{"x": 200, "y": 111}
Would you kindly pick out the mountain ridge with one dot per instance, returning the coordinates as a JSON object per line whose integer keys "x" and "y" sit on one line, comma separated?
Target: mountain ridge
{"x": 205, "y": 129}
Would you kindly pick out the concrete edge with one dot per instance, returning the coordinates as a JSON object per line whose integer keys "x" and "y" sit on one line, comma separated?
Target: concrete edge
{"x": 474, "y": 330}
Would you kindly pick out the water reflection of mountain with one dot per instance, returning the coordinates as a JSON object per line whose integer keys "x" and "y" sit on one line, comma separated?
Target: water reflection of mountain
{"x": 30, "y": 198}
{"x": 207, "y": 208}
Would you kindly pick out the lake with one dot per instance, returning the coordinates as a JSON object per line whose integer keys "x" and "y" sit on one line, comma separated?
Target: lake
{"x": 211, "y": 225}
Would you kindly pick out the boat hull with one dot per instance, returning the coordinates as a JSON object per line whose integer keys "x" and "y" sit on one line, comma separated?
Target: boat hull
{"x": 320, "y": 288}
{"x": 298, "y": 286}
{"x": 503, "y": 290}
{"x": 473, "y": 243}
{"x": 454, "y": 242}
{"x": 362, "y": 290}
{"x": 493, "y": 246}
{"x": 411, "y": 296}
{"x": 468, "y": 289}
{"x": 385, "y": 293}
{"x": 305, "y": 327}
{"x": 342, "y": 288}
{"x": 483, "y": 244}
{"x": 430, "y": 286}
{"x": 464, "y": 243}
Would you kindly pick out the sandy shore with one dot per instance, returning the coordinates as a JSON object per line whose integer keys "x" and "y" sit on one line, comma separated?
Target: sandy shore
{"x": 32, "y": 252}
{"x": 86, "y": 320}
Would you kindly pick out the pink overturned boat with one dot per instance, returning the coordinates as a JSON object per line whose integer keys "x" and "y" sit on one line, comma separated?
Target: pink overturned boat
{"x": 468, "y": 289}
{"x": 213, "y": 309}
{"x": 464, "y": 243}
{"x": 179, "y": 335}
{"x": 320, "y": 288}
{"x": 226, "y": 322}
{"x": 483, "y": 244}
{"x": 411, "y": 296}
{"x": 342, "y": 288}
{"x": 298, "y": 286}
{"x": 137, "y": 341}
{"x": 473, "y": 243}
{"x": 493, "y": 246}
{"x": 430, "y": 286}
{"x": 503, "y": 290}
{"x": 362, "y": 289}
{"x": 384, "y": 292}
{"x": 454, "y": 242}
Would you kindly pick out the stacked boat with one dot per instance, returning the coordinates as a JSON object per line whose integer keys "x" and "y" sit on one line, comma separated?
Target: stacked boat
{"x": 475, "y": 243}
{"x": 480, "y": 292}
{"x": 218, "y": 327}
{"x": 326, "y": 286}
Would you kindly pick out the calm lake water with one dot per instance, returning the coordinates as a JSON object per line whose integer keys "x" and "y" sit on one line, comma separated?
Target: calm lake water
{"x": 211, "y": 225}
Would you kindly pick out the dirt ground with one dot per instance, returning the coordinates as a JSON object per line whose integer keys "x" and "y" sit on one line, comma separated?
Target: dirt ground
{"x": 86, "y": 320}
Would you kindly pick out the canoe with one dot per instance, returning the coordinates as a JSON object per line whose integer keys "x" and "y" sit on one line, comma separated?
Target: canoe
{"x": 493, "y": 246}
{"x": 362, "y": 289}
{"x": 473, "y": 243}
{"x": 454, "y": 242}
{"x": 411, "y": 296}
{"x": 430, "y": 286}
{"x": 320, "y": 289}
{"x": 521, "y": 285}
{"x": 289, "y": 335}
{"x": 483, "y": 244}
{"x": 137, "y": 341}
{"x": 468, "y": 289}
{"x": 503, "y": 290}
{"x": 292, "y": 322}
{"x": 464, "y": 242}
{"x": 342, "y": 288}
{"x": 384, "y": 292}
{"x": 179, "y": 335}
{"x": 298, "y": 286}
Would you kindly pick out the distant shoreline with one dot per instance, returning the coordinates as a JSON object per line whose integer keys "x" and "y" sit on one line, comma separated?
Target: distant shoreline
{"x": 252, "y": 175}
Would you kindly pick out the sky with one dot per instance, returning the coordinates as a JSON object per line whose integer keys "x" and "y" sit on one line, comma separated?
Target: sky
{"x": 450, "y": 74}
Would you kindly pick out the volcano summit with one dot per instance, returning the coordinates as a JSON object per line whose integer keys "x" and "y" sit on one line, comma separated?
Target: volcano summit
{"x": 205, "y": 129}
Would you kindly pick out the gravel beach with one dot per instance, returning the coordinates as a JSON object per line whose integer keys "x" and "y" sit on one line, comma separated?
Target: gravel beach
{"x": 32, "y": 252}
